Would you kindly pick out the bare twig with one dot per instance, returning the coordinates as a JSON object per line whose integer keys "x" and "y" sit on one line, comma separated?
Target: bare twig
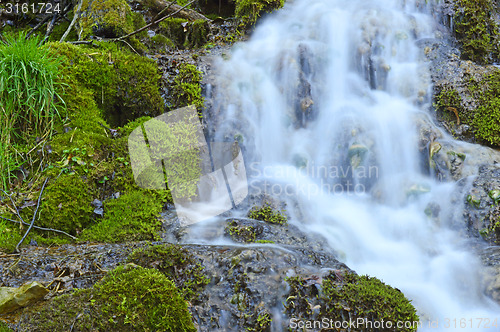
{"x": 74, "y": 322}
{"x": 152, "y": 23}
{"x": 34, "y": 216}
{"x": 73, "y": 21}
{"x": 124, "y": 41}
{"x": 17, "y": 210}
{"x": 50, "y": 27}
{"x": 36, "y": 27}
{"x": 86, "y": 42}
{"x": 42, "y": 228}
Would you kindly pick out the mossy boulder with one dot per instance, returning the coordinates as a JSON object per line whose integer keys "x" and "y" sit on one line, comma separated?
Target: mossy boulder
{"x": 67, "y": 205}
{"x": 129, "y": 298}
{"x": 105, "y": 18}
{"x": 178, "y": 264}
{"x": 134, "y": 216}
{"x": 346, "y": 296}
{"x": 367, "y": 298}
{"x": 123, "y": 85}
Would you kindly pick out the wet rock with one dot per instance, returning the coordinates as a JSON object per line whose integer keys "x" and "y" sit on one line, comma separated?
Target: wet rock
{"x": 490, "y": 255}
{"x": 449, "y": 159}
{"x": 14, "y": 298}
{"x": 481, "y": 210}
{"x": 493, "y": 284}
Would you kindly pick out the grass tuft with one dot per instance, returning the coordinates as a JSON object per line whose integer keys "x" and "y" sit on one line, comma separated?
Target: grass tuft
{"x": 29, "y": 98}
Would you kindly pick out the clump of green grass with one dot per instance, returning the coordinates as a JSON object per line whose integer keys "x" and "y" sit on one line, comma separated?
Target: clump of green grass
{"x": 29, "y": 98}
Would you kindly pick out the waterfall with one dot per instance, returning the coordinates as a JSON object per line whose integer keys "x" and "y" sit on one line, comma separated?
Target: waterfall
{"x": 323, "y": 97}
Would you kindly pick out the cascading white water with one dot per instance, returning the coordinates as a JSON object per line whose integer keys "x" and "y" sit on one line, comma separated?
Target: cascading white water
{"x": 323, "y": 95}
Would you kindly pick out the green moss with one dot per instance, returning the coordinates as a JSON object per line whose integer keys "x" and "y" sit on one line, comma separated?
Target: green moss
{"x": 186, "y": 88}
{"x": 105, "y": 18}
{"x": 240, "y": 233}
{"x": 138, "y": 22}
{"x": 487, "y": 118}
{"x": 267, "y": 214}
{"x": 60, "y": 29}
{"x": 264, "y": 241}
{"x": 197, "y": 34}
{"x": 159, "y": 43}
{"x": 129, "y": 298}
{"x": 156, "y": 305}
{"x": 476, "y": 29}
{"x": 350, "y": 297}
{"x": 134, "y": 216}
{"x": 123, "y": 85}
{"x": 9, "y": 235}
{"x": 66, "y": 205}
{"x": 172, "y": 28}
{"x": 250, "y": 10}
{"x": 185, "y": 34}
{"x": 367, "y": 298}
{"x": 177, "y": 264}
{"x": 4, "y": 327}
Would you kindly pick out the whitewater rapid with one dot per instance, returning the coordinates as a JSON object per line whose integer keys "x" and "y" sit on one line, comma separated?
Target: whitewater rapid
{"x": 323, "y": 97}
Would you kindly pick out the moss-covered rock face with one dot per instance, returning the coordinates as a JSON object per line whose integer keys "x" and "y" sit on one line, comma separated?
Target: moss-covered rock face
{"x": 67, "y": 205}
{"x": 474, "y": 103}
{"x": 248, "y": 11}
{"x": 186, "y": 88}
{"x": 178, "y": 264}
{"x": 347, "y": 296}
{"x": 4, "y": 327}
{"x": 487, "y": 118}
{"x": 129, "y": 298}
{"x": 105, "y": 18}
{"x": 131, "y": 217}
{"x": 123, "y": 85}
{"x": 476, "y": 29}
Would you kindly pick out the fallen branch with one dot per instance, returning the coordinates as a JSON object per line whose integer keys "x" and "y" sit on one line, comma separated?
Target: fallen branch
{"x": 152, "y": 23}
{"x": 41, "y": 228}
{"x": 17, "y": 210}
{"x": 185, "y": 13}
{"x": 50, "y": 27}
{"x": 34, "y": 216}
{"x": 36, "y": 27}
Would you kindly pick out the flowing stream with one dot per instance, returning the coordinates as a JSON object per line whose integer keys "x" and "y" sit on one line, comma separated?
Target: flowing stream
{"x": 324, "y": 97}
